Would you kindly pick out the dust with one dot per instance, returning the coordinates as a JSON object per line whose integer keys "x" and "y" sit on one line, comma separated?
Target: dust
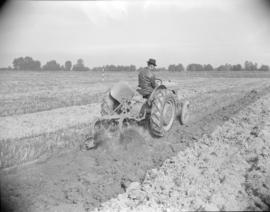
{"x": 101, "y": 138}
{"x": 126, "y": 139}
{"x": 131, "y": 135}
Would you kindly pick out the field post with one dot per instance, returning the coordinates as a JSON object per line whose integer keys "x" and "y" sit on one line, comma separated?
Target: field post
{"x": 103, "y": 74}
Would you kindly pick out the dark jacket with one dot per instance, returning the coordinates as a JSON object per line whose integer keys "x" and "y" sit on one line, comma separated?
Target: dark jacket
{"x": 147, "y": 82}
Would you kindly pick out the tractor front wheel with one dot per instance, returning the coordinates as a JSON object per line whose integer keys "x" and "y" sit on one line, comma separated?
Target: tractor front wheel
{"x": 184, "y": 116}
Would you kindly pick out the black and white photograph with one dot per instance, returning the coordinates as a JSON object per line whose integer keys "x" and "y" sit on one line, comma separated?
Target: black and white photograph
{"x": 134, "y": 105}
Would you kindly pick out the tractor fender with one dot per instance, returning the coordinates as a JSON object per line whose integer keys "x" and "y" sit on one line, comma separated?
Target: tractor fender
{"x": 122, "y": 91}
{"x": 150, "y": 99}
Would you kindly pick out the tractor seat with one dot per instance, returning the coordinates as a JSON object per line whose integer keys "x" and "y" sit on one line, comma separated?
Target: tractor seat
{"x": 140, "y": 91}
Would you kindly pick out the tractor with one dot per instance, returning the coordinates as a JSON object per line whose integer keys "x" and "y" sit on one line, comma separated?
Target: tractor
{"x": 121, "y": 107}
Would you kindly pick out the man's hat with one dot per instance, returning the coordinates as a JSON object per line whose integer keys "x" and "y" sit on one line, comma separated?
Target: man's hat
{"x": 152, "y": 62}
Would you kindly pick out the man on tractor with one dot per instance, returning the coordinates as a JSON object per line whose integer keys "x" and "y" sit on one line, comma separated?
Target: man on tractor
{"x": 120, "y": 108}
{"x": 147, "y": 79}
{"x": 147, "y": 84}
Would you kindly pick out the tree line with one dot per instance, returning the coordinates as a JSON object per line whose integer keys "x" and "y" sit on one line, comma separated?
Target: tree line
{"x": 28, "y": 63}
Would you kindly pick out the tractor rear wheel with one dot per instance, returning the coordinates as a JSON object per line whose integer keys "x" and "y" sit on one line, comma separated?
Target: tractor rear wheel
{"x": 163, "y": 112}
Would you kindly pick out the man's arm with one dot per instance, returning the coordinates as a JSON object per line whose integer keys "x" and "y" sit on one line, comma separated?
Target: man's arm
{"x": 153, "y": 81}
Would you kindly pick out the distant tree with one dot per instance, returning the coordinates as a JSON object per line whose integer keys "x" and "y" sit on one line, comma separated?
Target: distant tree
{"x": 18, "y": 63}
{"x": 176, "y": 68}
{"x": 250, "y": 66}
{"x": 226, "y": 67}
{"x": 80, "y": 62}
{"x": 236, "y": 67}
{"x": 172, "y": 68}
{"x": 52, "y": 65}
{"x": 31, "y": 64}
{"x": 99, "y": 69}
{"x": 26, "y": 63}
{"x": 180, "y": 67}
{"x": 79, "y": 66}
{"x": 195, "y": 67}
{"x": 221, "y": 68}
{"x": 208, "y": 67}
{"x": 68, "y": 65}
{"x": 132, "y": 68}
{"x": 129, "y": 68}
{"x": 106, "y": 68}
{"x": 37, "y": 65}
{"x": 114, "y": 68}
{"x": 264, "y": 68}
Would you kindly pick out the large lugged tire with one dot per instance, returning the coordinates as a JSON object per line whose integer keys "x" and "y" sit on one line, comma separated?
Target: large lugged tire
{"x": 163, "y": 112}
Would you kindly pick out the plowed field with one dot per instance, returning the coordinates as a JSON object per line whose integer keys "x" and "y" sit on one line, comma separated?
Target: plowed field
{"x": 44, "y": 117}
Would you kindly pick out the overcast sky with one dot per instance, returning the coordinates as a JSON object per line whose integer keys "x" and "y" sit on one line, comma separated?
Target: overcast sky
{"x": 130, "y": 32}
